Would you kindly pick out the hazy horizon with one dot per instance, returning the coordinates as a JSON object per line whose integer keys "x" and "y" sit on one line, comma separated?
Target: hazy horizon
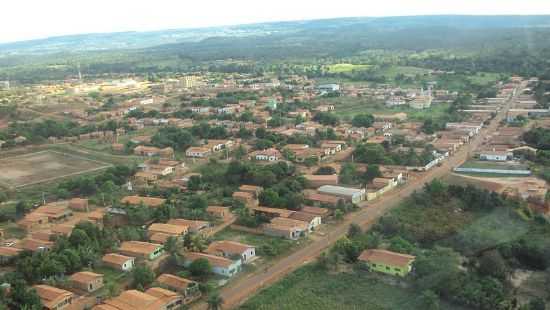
{"x": 47, "y": 19}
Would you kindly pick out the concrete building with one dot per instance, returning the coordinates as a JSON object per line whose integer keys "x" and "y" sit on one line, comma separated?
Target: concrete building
{"x": 87, "y": 281}
{"x": 353, "y": 195}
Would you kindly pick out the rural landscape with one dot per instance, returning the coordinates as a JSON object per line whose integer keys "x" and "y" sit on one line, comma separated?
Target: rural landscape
{"x": 349, "y": 163}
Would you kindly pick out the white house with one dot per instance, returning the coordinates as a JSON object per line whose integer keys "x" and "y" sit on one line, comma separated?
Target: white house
{"x": 231, "y": 249}
{"x": 495, "y": 155}
{"x": 220, "y": 265}
{"x": 118, "y": 261}
{"x": 312, "y": 220}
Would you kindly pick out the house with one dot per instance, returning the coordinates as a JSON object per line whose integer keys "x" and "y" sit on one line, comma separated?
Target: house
{"x": 379, "y": 186}
{"x": 187, "y": 288}
{"x": 55, "y": 213}
{"x": 286, "y": 228}
{"x": 8, "y": 254}
{"x": 87, "y": 281}
{"x": 322, "y": 212}
{"x": 220, "y": 265}
{"x": 54, "y": 298}
{"x": 353, "y": 195}
{"x": 195, "y": 226}
{"x": 78, "y": 204}
{"x": 271, "y": 213}
{"x": 249, "y": 199}
{"x": 35, "y": 245}
{"x": 311, "y": 219}
{"x": 198, "y": 152}
{"x": 270, "y": 154}
{"x": 33, "y": 221}
{"x": 159, "y": 232}
{"x": 118, "y": 261}
{"x": 315, "y": 181}
{"x": 62, "y": 229}
{"x": 495, "y": 155}
{"x": 255, "y": 190}
{"x": 231, "y": 249}
{"x": 219, "y": 212}
{"x": 140, "y": 249}
{"x": 153, "y": 298}
{"x": 151, "y": 202}
{"x": 321, "y": 199}
{"x": 387, "y": 262}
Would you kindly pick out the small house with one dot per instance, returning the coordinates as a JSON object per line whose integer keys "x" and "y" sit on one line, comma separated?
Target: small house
{"x": 54, "y": 298}
{"x": 232, "y": 249}
{"x": 118, "y": 261}
{"x": 140, "y": 249}
{"x": 387, "y": 261}
{"x": 87, "y": 281}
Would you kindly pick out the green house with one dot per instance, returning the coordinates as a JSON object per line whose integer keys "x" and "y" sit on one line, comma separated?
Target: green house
{"x": 387, "y": 262}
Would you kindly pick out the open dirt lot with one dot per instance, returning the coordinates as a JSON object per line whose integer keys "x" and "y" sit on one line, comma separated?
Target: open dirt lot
{"x": 43, "y": 166}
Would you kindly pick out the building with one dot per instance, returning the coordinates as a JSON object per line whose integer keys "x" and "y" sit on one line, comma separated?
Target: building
{"x": 198, "y": 152}
{"x": 353, "y": 195}
{"x": 8, "y": 254}
{"x": 151, "y": 202}
{"x": 271, "y": 213}
{"x": 321, "y": 199}
{"x": 220, "y": 265}
{"x": 54, "y": 298}
{"x": 322, "y": 212}
{"x": 78, "y": 204}
{"x": 255, "y": 190}
{"x": 328, "y": 88}
{"x": 231, "y": 249}
{"x": 153, "y": 298}
{"x": 187, "y": 288}
{"x": 387, "y": 262}
{"x": 286, "y": 228}
{"x": 87, "y": 281}
{"x": 159, "y": 232}
{"x": 118, "y": 261}
{"x": 270, "y": 154}
{"x": 195, "y": 226}
{"x": 495, "y": 155}
{"x": 249, "y": 199}
{"x": 315, "y": 181}
{"x": 217, "y": 211}
{"x": 140, "y": 249}
{"x": 35, "y": 245}
{"x": 311, "y": 219}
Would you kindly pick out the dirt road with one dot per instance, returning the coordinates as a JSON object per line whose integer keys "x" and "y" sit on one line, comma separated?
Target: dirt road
{"x": 237, "y": 292}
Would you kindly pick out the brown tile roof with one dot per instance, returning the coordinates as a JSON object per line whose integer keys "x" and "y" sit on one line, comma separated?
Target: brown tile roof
{"x": 214, "y": 260}
{"x": 174, "y": 282}
{"x": 227, "y": 247}
{"x": 50, "y": 295}
{"x": 315, "y": 210}
{"x": 290, "y": 223}
{"x": 322, "y": 198}
{"x": 274, "y": 211}
{"x": 117, "y": 259}
{"x": 303, "y": 216}
{"x": 9, "y": 251}
{"x": 85, "y": 276}
{"x": 250, "y": 188}
{"x": 169, "y": 229}
{"x": 139, "y": 247}
{"x": 192, "y": 224}
{"x": 33, "y": 244}
{"x": 148, "y": 201}
{"x": 386, "y": 257}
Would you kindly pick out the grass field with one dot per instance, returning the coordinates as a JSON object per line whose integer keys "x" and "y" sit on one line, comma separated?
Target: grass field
{"x": 347, "y": 107}
{"x": 490, "y": 230}
{"x": 310, "y": 288}
{"x": 39, "y": 167}
{"x": 341, "y": 68}
{"x": 493, "y": 165}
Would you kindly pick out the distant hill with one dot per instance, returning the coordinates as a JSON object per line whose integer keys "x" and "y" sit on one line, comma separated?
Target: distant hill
{"x": 139, "y": 40}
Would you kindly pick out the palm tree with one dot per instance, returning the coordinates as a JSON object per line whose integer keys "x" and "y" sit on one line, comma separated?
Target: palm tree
{"x": 215, "y": 301}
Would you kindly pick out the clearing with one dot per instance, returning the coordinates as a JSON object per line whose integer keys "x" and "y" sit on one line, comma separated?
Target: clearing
{"x": 44, "y": 166}
{"x": 312, "y": 288}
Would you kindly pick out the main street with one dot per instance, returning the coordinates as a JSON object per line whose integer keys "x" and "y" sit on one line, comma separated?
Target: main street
{"x": 235, "y": 293}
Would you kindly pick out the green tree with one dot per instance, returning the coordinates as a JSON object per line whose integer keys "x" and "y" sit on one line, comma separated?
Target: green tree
{"x": 373, "y": 171}
{"x": 200, "y": 268}
{"x": 430, "y": 300}
{"x": 215, "y": 301}
{"x": 362, "y": 120}
{"x": 142, "y": 276}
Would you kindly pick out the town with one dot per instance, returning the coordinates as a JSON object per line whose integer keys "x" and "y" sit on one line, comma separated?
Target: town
{"x": 210, "y": 189}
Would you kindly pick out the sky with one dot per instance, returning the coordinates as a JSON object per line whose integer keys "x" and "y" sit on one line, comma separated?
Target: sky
{"x": 32, "y": 19}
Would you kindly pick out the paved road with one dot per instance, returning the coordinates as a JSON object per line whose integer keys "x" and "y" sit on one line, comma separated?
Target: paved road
{"x": 237, "y": 292}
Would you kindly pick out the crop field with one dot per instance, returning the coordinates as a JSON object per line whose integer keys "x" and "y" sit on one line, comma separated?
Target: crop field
{"x": 340, "y": 68}
{"x": 44, "y": 166}
{"x": 311, "y": 288}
